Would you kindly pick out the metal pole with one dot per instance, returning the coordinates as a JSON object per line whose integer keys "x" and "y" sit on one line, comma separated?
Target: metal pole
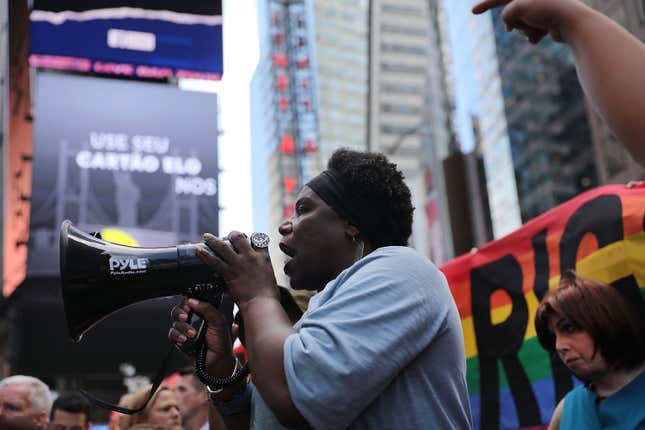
{"x": 370, "y": 79}
{"x": 4, "y": 98}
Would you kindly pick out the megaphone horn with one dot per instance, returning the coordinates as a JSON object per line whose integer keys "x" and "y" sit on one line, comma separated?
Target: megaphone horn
{"x": 100, "y": 277}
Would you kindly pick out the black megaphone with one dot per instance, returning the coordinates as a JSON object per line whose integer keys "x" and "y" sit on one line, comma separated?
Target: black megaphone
{"x": 100, "y": 277}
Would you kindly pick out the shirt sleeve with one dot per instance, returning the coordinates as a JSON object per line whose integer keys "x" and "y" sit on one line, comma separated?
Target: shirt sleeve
{"x": 383, "y": 312}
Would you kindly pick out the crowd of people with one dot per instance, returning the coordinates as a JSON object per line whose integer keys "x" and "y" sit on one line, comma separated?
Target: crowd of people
{"x": 380, "y": 346}
{"x": 26, "y": 404}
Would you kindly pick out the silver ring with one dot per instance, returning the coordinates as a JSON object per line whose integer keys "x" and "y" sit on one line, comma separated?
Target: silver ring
{"x": 260, "y": 240}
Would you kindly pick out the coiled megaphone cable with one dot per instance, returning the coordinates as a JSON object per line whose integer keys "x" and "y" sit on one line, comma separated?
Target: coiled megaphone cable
{"x": 215, "y": 383}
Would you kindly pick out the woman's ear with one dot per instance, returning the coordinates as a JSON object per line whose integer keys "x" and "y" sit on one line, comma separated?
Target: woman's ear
{"x": 352, "y": 231}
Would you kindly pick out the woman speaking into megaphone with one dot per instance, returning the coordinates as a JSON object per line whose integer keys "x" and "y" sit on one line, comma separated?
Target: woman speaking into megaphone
{"x": 383, "y": 334}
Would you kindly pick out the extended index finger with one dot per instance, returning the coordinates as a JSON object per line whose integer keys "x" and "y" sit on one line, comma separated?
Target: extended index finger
{"x": 220, "y": 247}
{"x": 485, "y": 5}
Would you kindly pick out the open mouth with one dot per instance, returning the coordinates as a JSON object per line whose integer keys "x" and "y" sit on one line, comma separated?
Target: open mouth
{"x": 287, "y": 250}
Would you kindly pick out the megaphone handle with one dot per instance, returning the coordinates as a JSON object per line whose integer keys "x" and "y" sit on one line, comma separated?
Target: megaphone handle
{"x": 191, "y": 346}
{"x": 224, "y": 304}
{"x": 225, "y": 307}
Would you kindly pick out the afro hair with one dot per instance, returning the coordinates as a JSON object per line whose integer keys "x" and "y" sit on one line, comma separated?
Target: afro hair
{"x": 379, "y": 187}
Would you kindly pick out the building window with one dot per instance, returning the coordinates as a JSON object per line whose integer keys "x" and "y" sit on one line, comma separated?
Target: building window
{"x": 397, "y": 130}
{"x": 402, "y": 89}
{"x": 402, "y": 68}
{"x": 394, "y": 108}
{"x": 399, "y": 29}
{"x": 403, "y": 10}
{"x": 405, "y": 49}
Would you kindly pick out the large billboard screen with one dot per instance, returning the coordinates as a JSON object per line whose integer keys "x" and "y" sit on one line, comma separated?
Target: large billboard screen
{"x": 136, "y": 161}
{"x": 138, "y": 38}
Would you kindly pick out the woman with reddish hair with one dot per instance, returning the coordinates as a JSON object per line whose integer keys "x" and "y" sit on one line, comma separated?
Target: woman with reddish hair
{"x": 600, "y": 337}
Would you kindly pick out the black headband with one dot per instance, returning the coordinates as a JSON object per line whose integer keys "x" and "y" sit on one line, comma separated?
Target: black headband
{"x": 330, "y": 187}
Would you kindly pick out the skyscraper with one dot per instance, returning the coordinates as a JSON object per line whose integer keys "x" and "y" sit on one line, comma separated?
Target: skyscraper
{"x": 357, "y": 74}
{"x": 547, "y": 122}
{"x": 340, "y": 31}
{"x": 285, "y": 140}
{"x": 479, "y": 105}
{"x": 408, "y": 111}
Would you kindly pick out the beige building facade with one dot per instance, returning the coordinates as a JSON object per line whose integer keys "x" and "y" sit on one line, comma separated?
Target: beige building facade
{"x": 408, "y": 119}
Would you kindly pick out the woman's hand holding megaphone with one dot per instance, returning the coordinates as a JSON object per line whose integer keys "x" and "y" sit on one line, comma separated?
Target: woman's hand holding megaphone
{"x": 220, "y": 361}
{"x": 245, "y": 266}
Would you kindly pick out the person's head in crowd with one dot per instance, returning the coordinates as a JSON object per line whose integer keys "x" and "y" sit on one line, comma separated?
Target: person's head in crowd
{"x": 70, "y": 411}
{"x": 591, "y": 327}
{"x": 191, "y": 399}
{"x": 360, "y": 203}
{"x": 25, "y": 402}
{"x": 161, "y": 410}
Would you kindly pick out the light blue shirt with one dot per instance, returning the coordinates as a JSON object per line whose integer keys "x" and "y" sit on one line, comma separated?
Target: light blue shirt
{"x": 380, "y": 347}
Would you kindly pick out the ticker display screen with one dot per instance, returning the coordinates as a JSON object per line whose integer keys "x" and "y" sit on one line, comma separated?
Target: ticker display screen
{"x": 141, "y": 38}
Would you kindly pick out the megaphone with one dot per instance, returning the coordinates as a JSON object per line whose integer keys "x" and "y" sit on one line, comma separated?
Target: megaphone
{"x": 100, "y": 277}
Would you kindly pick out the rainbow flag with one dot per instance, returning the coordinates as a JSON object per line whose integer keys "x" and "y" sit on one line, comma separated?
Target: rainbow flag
{"x": 513, "y": 383}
